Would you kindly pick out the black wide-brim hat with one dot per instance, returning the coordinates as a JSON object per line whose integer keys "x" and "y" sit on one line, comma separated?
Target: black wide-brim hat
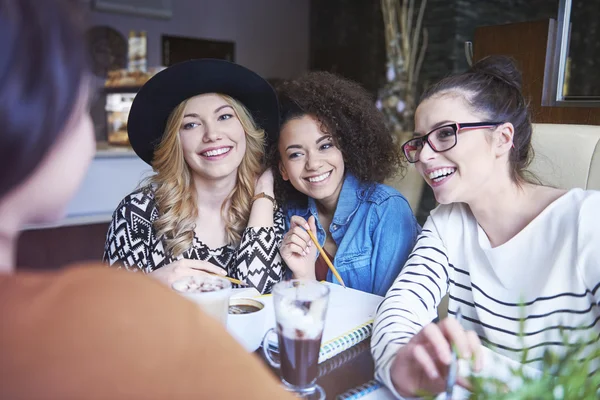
{"x": 159, "y": 96}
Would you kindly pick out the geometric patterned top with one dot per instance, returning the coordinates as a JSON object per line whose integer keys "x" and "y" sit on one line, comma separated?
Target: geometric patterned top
{"x": 131, "y": 243}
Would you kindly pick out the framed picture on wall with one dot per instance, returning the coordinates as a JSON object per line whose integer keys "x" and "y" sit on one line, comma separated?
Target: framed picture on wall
{"x": 176, "y": 49}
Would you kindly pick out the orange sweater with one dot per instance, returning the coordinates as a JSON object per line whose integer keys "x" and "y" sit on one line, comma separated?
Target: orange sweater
{"x": 99, "y": 333}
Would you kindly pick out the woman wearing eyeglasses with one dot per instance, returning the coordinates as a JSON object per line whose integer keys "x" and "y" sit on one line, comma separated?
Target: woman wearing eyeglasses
{"x": 501, "y": 245}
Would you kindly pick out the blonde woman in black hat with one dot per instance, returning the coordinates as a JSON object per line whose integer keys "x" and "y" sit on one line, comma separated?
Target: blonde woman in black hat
{"x": 202, "y": 125}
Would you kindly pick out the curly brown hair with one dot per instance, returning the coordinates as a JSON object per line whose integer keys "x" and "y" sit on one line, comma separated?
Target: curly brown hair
{"x": 346, "y": 111}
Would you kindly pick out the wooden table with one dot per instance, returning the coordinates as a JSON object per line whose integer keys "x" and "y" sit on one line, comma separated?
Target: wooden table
{"x": 343, "y": 372}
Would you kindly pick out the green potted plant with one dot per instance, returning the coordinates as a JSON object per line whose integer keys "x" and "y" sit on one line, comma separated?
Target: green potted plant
{"x": 566, "y": 376}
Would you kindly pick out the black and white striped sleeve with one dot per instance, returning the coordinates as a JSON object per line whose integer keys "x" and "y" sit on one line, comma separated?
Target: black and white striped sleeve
{"x": 411, "y": 303}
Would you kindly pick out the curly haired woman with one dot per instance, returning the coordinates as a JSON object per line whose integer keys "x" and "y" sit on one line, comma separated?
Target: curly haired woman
{"x": 332, "y": 151}
{"x": 202, "y": 125}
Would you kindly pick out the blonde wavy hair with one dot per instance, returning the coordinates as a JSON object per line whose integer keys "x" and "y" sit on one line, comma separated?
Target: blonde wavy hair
{"x": 174, "y": 190}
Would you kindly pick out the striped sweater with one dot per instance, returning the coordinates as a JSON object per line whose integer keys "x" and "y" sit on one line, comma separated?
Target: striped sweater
{"x": 549, "y": 273}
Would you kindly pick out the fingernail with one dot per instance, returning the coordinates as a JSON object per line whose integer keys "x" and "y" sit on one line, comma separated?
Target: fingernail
{"x": 466, "y": 355}
{"x": 309, "y": 244}
{"x": 447, "y": 358}
{"x": 304, "y": 252}
{"x": 433, "y": 374}
{"x": 307, "y": 227}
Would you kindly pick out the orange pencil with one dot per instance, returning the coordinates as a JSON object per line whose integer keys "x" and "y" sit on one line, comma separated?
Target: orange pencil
{"x": 327, "y": 260}
{"x": 232, "y": 280}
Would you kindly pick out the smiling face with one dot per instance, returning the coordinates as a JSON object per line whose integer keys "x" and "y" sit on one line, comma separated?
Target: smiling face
{"x": 310, "y": 160}
{"x": 212, "y": 138}
{"x": 473, "y": 165}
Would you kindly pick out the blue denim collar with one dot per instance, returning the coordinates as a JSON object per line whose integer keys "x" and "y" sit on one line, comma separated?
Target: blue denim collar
{"x": 351, "y": 195}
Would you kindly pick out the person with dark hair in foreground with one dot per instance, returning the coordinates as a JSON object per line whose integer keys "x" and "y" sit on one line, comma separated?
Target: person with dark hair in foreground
{"x": 86, "y": 331}
{"x": 506, "y": 249}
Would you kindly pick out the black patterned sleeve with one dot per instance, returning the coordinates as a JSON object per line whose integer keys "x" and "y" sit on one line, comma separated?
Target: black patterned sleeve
{"x": 131, "y": 234}
{"x": 257, "y": 259}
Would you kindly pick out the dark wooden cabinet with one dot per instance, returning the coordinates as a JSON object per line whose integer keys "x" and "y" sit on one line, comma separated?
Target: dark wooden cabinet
{"x": 52, "y": 248}
{"x": 531, "y": 44}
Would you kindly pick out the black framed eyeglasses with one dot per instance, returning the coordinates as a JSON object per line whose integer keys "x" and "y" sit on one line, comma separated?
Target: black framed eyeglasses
{"x": 440, "y": 139}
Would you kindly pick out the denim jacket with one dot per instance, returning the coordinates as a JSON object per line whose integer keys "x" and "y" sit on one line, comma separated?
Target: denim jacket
{"x": 374, "y": 229}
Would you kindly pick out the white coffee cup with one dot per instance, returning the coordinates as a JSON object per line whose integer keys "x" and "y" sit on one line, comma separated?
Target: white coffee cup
{"x": 247, "y": 328}
{"x": 211, "y": 293}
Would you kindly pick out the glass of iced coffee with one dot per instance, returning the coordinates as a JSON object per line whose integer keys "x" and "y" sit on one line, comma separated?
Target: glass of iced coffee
{"x": 209, "y": 292}
{"x": 300, "y": 308}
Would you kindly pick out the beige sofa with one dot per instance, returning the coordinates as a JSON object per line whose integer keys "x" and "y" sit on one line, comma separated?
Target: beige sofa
{"x": 567, "y": 156}
{"x": 410, "y": 184}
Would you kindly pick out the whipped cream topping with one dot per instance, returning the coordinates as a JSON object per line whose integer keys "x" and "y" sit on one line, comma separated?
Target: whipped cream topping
{"x": 195, "y": 284}
{"x": 301, "y": 319}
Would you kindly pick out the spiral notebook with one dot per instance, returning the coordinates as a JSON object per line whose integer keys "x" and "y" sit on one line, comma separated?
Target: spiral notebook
{"x": 370, "y": 390}
{"x": 374, "y": 390}
{"x": 349, "y": 319}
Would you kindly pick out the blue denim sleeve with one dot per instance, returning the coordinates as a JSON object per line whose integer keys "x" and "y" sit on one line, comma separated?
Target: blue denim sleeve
{"x": 394, "y": 237}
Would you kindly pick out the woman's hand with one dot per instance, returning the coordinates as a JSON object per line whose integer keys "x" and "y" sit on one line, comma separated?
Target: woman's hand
{"x": 183, "y": 268}
{"x": 264, "y": 183}
{"x": 297, "y": 250}
{"x": 422, "y": 364}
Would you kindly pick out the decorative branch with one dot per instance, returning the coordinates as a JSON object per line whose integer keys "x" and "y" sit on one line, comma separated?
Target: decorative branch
{"x": 407, "y": 34}
{"x": 415, "y": 42}
{"x": 422, "y": 54}
{"x": 406, "y": 44}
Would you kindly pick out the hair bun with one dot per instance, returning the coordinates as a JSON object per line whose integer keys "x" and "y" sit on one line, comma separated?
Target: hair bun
{"x": 502, "y": 68}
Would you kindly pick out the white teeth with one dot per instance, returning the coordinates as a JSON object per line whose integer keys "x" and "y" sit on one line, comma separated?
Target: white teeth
{"x": 216, "y": 152}
{"x": 441, "y": 172}
{"x": 319, "y": 178}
